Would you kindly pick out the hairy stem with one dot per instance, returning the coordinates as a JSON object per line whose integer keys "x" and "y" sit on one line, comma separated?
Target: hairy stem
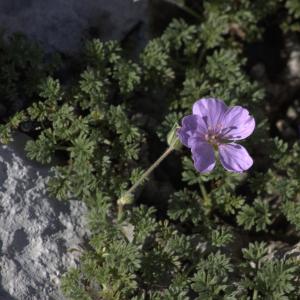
{"x": 150, "y": 169}
{"x": 122, "y": 201}
{"x": 185, "y": 8}
{"x": 205, "y": 196}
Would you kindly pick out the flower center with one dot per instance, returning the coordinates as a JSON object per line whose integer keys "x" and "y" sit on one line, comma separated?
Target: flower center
{"x": 213, "y": 135}
{"x": 212, "y": 139}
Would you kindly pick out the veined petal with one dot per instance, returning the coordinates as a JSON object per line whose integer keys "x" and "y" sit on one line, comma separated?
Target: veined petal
{"x": 192, "y": 127}
{"x": 234, "y": 157}
{"x": 195, "y": 140}
{"x": 204, "y": 157}
{"x": 237, "y": 124}
{"x": 210, "y": 110}
{"x": 183, "y": 136}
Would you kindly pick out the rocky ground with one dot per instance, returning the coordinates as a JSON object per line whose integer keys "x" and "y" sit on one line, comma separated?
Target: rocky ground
{"x": 37, "y": 232}
{"x": 62, "y": 25}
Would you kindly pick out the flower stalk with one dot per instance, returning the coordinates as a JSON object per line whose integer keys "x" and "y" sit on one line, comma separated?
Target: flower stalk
{"x": 127, "y": 198}
{"x": 150, "y": 169}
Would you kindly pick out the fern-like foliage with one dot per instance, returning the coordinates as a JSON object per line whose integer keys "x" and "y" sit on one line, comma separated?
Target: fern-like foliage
{"x": 187, "y": 236}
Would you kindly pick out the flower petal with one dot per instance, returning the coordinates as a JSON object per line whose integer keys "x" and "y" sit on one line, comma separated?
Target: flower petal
{"x": 210, "y": 110}
{"x": 192, "y": 127}
{"x": 234, "y": 157}
{"x": 237, "y": 123}
{"x": 204, "y": 157}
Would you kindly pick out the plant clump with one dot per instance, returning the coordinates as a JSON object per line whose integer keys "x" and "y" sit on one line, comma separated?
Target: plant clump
{"x": 207, "y": 236}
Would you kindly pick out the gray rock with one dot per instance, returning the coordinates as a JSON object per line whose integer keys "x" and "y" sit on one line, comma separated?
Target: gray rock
{"x": 63, "y": 24}
{"x": 285, "y": 129}
{"x": 294, "y": 63}
{"x": 36, "y": 231}
{"x": 291, "y": 113}
{"x": 292, "y": 72}
{"x": 283, "y": 251}
{"x": 293, "y": 57}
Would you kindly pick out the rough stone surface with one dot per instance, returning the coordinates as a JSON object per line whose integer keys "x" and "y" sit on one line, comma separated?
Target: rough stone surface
{"x": 293, "y": 59}
{"x": 36, "y": 231}
{"x": 283, "y": 251}
{"x": 63, "y": 24}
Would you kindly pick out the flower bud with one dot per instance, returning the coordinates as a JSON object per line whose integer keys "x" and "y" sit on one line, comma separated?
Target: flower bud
{"x": 126, "y": 199}
{"x": 172, "y": 138}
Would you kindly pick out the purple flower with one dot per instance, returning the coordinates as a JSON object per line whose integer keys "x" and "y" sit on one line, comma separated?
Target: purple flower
{"x": 214, "y": 126}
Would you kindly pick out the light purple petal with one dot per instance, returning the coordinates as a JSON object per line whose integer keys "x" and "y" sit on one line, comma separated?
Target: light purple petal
{"x": 204, "y": 157}
{"x": 234, "y": 157}
{"x": 183, "y": 136}
{"x": 192, "y": 127}
{"x": 237, "y": 123}
{"x": 210, "y": 110}
{"x": 195, "y": 140}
